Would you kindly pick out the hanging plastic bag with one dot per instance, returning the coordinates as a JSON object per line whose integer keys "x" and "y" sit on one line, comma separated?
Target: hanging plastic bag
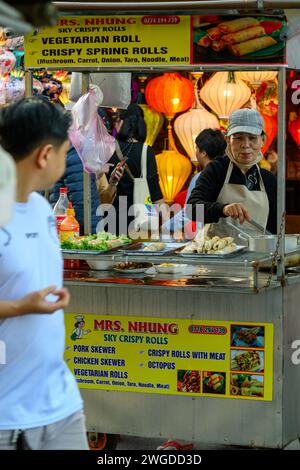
{"x": 7, "y": 62}
{"x": 14, "y": 89}
{"x": 116, "y": 88}
{"x": 88, "y": 134}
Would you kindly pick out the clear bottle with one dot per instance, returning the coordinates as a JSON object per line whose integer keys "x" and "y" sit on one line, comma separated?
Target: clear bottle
{"x": 60, "y": 208}
{"x": 69, "y": 227}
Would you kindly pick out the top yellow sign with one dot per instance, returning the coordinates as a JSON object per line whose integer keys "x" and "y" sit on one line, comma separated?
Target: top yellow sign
{"x": 110, "y": 41}
{"x": 156, "y": 41}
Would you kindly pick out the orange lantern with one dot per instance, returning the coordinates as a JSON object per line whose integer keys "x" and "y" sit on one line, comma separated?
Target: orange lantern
{"x": 270, "y": 128}
{"x": 173, "y": 169}
{"x": 169, "y": 94}
{"x": 294, "y": 127}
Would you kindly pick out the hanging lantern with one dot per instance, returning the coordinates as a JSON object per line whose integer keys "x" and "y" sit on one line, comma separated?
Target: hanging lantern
{"x": 173, "y": 169}
{"x": 257, "y": 77}
{"x": 294, "y": 128}
{"x": 224, "y": 93}
{"x": 188, "y": 125}
{"x": 270, "y": 128}
{"x": 154, "y": 122}
{"x": 169, "y": 94}
{"x": 65, "y": 94}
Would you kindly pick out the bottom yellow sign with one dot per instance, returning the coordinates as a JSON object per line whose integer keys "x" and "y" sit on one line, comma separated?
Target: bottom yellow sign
{"x": 171, "y": 356}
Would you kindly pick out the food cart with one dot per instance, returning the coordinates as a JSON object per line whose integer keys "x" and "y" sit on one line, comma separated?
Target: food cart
{"x": 209, "y": 353}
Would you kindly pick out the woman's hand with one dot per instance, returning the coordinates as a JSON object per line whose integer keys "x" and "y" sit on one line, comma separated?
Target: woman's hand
{"x": 117, "y": 174}
{"x": 237, "y": 211}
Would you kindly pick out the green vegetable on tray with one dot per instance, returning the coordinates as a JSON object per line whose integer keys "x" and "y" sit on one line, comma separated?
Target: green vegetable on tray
{"x": 102, "y": 241}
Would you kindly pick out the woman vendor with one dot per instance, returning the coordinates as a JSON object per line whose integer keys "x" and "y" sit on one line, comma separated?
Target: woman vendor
{"x": 234, "y": 186}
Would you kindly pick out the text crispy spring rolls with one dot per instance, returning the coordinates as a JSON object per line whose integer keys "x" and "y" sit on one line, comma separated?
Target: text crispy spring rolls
{"x": 214, "y": 33}
{"x": 253, "y": 45}
{"x": 218, "y": 45}
{"x": 237, "y": 25}
{"x": 244, "y": 35}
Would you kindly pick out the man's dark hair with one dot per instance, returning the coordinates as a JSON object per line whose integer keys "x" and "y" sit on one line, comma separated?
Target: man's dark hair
{"x": 211, "y": 141}
{"x": 134, "y": 125}
{"x": 31, "y": 122}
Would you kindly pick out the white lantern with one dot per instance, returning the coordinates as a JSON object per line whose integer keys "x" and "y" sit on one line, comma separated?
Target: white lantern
{"x": 225, "y": 93}
{"x": 257, "y": 77}
{"x": 188, "y": 125}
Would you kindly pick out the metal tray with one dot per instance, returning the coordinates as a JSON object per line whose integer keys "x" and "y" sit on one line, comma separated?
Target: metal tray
{"x": 93, "y": 252}
{"x": 171, "y": 247}
{"x": 239, "y": 249}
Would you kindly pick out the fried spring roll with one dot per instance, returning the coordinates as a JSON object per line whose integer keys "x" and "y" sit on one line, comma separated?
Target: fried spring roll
{"x": 237, "y": 25}
{"x": 253, "y": 45}
{"x": 218, "y": 45}
{"x": 244, "y": 35}
{"x": 204, "y": 41}
{"x": 214, "y": 33}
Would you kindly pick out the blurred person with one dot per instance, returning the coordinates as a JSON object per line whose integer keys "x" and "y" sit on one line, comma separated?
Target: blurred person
{"x": 40, "y": 404}
{"x": 131, "y": 135}
{"x": 73, "y": 180}
{"x": 210, "y": 144}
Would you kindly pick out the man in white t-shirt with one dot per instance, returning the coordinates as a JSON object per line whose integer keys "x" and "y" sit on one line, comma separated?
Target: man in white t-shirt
{"x": 40, "y": 404}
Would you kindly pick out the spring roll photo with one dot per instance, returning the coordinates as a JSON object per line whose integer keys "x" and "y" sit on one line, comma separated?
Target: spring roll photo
{"x": 204, "y": 41}
{"x": 218, "y": 46}
{"x": 214, "y": 33}
{"x": 244, "y": 35}
{"x": 253, "y": 45}
{"x": 237, "y": 25}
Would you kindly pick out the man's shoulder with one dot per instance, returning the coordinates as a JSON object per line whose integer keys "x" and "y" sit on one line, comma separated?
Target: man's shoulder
{"x": 37, "y": 200}
{"x": 217, "y": 166}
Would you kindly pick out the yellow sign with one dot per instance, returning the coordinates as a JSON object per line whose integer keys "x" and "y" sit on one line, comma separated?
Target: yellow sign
{"x": 95, "y": 41}
{"x": 171, "y": 356}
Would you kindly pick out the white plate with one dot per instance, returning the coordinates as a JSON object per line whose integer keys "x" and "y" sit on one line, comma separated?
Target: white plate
{"x": 175, "y": 268}
{"x": 101, "y": 264}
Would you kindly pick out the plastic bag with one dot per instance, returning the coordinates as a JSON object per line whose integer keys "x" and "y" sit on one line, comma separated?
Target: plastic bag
{"x": 14, "y": 89}
{"x": 88, "y": 134}
{"x": 7, "y": 62}
{"x": 116, "y": 88}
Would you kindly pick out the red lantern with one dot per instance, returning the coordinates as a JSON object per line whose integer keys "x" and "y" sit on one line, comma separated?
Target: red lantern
{"x": 294, "y": 130}
{"x": 169, "y": 94}
{"x": 270, "y": 128}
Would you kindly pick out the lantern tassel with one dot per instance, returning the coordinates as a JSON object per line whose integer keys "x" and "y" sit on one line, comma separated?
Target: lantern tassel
{"x": 172, "y": 145}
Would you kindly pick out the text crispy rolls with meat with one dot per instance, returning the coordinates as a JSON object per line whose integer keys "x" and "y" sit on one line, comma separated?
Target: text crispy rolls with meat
{"x": 244, "y": 35}
{"x": 253, "y": 45}
{"x": 237, "y": 25}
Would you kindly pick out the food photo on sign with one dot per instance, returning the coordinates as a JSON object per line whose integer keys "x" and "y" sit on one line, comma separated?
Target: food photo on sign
{"x": 247, "y": 385}
{"x": 247, "y": 336}
{"x": 252, "y": 361}
{"x": 248, "y": 39}
{"x": 214, "y": 382}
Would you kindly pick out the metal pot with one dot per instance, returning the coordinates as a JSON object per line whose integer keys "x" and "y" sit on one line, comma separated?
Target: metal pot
{"x": 267, "y": 243}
